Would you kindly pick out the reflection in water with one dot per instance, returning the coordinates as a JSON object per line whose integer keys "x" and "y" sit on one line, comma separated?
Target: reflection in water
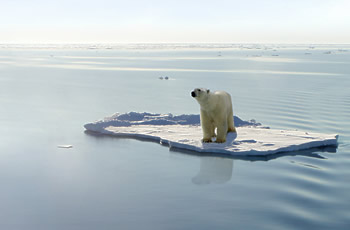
{"x": 214, "y": 170}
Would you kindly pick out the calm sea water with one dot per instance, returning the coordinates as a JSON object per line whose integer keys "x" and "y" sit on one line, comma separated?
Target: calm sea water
{"x": 48, "y": 94}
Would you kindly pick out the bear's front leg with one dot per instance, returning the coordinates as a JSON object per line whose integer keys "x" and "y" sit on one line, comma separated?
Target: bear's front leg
{"x": 222, "y": 131}
{"x": 207, "y": 127}
{"x": 207, "y": 132}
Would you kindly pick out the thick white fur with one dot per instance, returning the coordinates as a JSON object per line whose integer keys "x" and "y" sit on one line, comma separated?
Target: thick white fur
{"x": 215, "y": 112}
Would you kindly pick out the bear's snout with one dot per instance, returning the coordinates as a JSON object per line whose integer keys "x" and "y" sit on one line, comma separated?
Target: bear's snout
{"x": 193, "y": 94}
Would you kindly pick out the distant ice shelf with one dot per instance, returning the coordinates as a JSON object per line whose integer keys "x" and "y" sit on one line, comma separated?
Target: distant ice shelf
{"x": 184, "y": 132}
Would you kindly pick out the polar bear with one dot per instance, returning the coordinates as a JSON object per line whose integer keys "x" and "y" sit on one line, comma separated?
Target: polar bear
{"x": 216, "y": 112}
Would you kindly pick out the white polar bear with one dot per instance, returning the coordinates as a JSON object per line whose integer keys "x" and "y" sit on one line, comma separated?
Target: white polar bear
{"x": 216, "y": 112}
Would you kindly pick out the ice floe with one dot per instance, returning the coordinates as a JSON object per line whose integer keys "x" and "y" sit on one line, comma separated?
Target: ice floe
{"x": 184, "y": 132}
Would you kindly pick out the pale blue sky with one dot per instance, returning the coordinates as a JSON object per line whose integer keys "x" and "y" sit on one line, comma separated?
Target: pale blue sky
{"x": 129, "y": 21}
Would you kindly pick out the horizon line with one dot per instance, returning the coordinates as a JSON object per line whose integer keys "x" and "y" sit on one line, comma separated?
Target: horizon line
{"x": 171, "y": 43}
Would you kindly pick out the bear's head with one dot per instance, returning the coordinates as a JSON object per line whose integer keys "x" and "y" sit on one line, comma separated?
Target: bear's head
{"x": 200, "y": 93}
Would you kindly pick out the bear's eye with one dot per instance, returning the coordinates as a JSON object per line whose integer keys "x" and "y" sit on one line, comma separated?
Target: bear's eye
{"x": 199, "y": 90}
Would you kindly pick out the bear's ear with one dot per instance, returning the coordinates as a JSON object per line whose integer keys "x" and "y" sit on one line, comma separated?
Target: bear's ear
{"x": 208, "y": 90}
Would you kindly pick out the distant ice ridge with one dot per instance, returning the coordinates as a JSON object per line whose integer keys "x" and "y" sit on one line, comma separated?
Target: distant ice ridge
{"x": 184, "y": 132}
{"x": 134, "y": 118}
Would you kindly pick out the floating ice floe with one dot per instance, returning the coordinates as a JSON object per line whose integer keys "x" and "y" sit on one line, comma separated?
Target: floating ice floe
{"x": 65, "y": 146}
{"x": 184, "y": 132}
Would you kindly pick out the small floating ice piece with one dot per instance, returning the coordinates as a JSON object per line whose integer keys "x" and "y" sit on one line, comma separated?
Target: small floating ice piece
{"x": 65, "y": 146}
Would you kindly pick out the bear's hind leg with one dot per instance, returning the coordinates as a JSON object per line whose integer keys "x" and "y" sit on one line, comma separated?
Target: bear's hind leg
{"x": 231, "y": 129}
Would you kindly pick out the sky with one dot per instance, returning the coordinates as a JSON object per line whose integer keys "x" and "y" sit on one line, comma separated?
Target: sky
{"x": 177, "y": 21}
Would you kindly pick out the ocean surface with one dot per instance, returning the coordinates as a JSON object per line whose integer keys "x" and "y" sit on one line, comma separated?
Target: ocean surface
{"x": 48, "y": 92}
